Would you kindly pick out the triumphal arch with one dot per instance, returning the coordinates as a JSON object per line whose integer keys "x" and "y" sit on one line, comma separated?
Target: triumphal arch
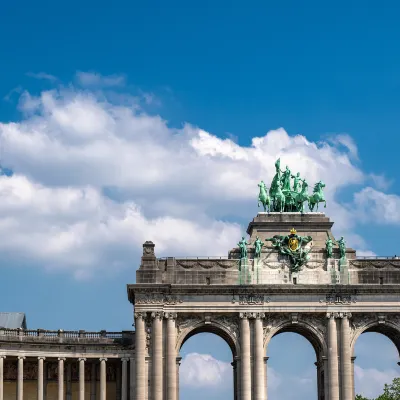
{"x": 289, "y": 275}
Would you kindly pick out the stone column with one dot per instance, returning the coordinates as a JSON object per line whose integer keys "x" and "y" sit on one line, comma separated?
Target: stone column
{"x": 93, "y": 382}
{"x": 61, "y": 378}
{"x": 345, "y": 358}
{"x": 82, "y": 378}
{"x": 157, "y": 356}
{"x": 140, "y": 356}
{"x": 235, "y": 394}
{"x": 69, "y": 381}
{"x": 319, "y": 381}
{"x": 171, "y": 356}
{"x": 103, "y": 378}
{"x": 132, "y": 378}
{"x": 266, "y": 378}
{"x": 326, "y": 375}
{"x": 40, "y": 378}
{"x": 2, "y": 377}
{"x": 178, "y": 364}
{"x": 352, "y": 377}
{"x": 333, "y": 358}
{"x": 259, "y": 374}
{"x": 20, "y": 380}
{"x": 124, "y": 379}
{"x": 118, "y": 382}
{"x": 245, "y": 369}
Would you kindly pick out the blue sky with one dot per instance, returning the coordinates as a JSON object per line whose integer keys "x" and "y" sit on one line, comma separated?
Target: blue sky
{"x": 102, "y": 105}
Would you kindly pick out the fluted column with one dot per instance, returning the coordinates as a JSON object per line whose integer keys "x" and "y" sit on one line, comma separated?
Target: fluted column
{"x": 61, "y": 378}
{"x": 103, "y": 378}
{"x": 140, "y": 356}
{"x": 171, "y": 356}
{"x": 40, "y": 378}
{"x": 259, "y": 375}
{"x": 245, "y": 370}
{"x": 157, "y": 356}
{"x": 20, "y": 379}
{"x": 2, "y": 377}
{"x": 345, "y": 358}
{"x": 333, "y": 358}
{"x": 82, "y": 378}
{"x": 124, "y": 379}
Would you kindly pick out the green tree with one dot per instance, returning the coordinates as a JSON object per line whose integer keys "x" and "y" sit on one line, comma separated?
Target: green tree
{"x": 359, "y": 397}
{"x": 390, "y": 392}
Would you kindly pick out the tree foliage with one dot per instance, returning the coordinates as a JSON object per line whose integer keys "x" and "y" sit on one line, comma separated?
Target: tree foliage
{"x": 390, "y": 392}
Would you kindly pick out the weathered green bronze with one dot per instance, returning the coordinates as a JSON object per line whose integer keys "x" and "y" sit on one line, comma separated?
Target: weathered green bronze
{"x": 329, "y": 246}
{"x": 292, "y": 245}
{"x": 258, "y": 244}
{"x": 342, "y": 248}
{"x": 243, "y": 247}
{"x": 284, "y": 198}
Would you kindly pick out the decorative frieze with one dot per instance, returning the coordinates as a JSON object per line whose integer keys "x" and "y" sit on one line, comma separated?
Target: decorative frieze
{"x": 230, "y": 323}
{"x": 186, "y": 321}
{"x": 335, "y": 298}
{"x": 156, "y": 298}
{"x": 251, "y": 299}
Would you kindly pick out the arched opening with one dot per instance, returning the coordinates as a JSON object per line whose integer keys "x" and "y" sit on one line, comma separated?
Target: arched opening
{"x": 295, "y": 366}
{"x": 206, "y": 370}
{"x": 375, "y": 356}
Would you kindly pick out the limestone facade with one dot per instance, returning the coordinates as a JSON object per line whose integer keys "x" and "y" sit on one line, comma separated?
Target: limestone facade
{"x": 246, "y": 303}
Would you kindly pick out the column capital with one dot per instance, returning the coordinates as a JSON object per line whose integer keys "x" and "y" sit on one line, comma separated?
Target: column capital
{"x": 140, "y": 315}
{"x": 102, "y": 359}
{"x": 244, "y": 315}
{"x": 21, "y": 357}
{"x": 169, "y": 315}
{"x": 344, "y": 315}
{"x": 61, "y": 358}
{"x": 81, "y": 359}
{"x": 41, "y": 357}
{"x": 124, "y": 359}
{"x": 3, "y": 356}
{"x": 331, "y": 315}
{"x": 157, "y": 315}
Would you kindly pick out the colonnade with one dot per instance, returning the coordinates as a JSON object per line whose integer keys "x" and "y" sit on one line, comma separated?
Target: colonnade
{"x": 250, "y": 377}
{"x": 65, "y": 391}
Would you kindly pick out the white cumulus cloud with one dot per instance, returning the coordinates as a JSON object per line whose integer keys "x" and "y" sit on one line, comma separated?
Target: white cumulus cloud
{"x": 203, "y": 370}
{"x": 95, "y": 177}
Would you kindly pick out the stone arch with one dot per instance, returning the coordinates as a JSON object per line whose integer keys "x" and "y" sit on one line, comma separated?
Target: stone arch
{"x": 228, "y": 332}
{"x": 386, "y": 328}
{"x": 307, "y": 329}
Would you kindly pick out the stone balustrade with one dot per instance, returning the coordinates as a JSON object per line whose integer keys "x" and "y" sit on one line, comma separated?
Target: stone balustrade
{"x": 81, "y": 336}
